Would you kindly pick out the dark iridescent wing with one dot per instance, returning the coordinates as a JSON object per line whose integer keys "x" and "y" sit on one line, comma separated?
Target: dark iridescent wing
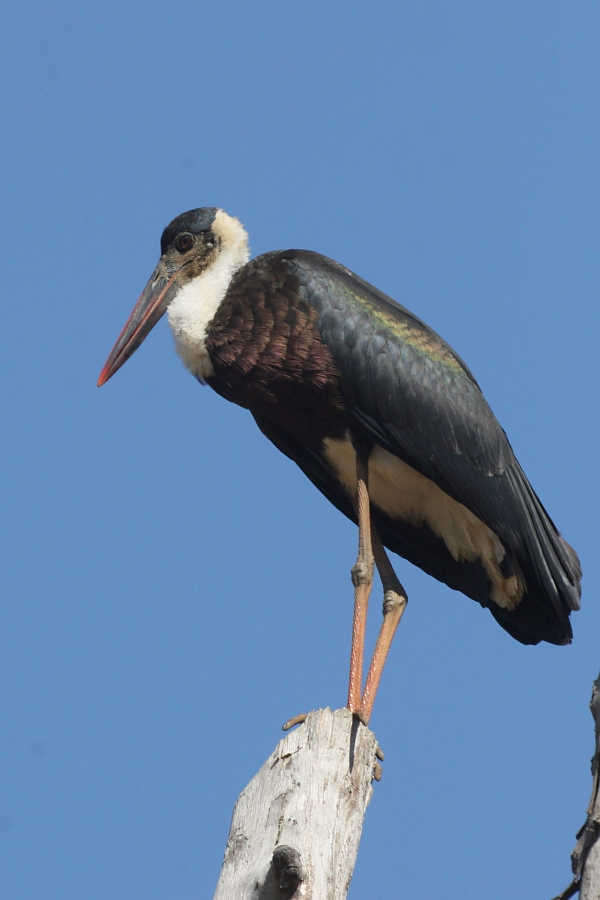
{"x": 409, "y": 391}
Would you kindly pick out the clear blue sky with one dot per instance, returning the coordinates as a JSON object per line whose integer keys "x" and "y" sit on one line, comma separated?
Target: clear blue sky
{"x": 173, "y": 589}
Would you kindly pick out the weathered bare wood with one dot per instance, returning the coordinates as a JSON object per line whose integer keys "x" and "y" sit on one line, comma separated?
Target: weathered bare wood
{"x": 585, "y": 858}
{"x": 296, "y": 827}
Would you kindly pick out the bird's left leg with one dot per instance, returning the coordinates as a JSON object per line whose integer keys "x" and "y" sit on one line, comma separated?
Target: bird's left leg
{"x": 362, "y": 579}
{"x": 394, "y": 604}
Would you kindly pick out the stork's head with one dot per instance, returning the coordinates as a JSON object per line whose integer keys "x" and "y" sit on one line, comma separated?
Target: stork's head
{"x": 200, "y": 252}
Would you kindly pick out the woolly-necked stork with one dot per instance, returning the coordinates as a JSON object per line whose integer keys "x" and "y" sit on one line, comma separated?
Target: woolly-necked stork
{"x": 378, "y": 411}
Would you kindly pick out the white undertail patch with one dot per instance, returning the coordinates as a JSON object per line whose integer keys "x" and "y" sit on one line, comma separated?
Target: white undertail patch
{"x": 403, "y": 493}
{"x": 196, "y": 303}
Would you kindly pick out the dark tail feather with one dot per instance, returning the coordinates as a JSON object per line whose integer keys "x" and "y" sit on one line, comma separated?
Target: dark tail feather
{"x": 533, "y": 621}
{"x": 551, "y": 571}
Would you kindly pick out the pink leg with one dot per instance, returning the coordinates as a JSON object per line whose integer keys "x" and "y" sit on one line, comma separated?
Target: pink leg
{"x": 394, "y": 604}
{"x": 362, "y": 579}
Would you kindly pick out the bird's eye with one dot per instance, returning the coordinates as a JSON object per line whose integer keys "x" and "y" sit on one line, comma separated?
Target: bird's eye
{"x": 184, "y": 242}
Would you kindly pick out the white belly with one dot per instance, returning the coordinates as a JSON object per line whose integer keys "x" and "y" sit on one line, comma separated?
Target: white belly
{"x": 402, "y": 493}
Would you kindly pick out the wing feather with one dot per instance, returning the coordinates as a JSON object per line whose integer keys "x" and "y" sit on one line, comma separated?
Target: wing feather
{"x": 407, "y": 390}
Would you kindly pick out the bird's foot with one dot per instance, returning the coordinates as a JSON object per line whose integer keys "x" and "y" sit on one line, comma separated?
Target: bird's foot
{"x": 359, "y": 714}
{"x": 297, "y": 720}
{"x": 377, "y": 770}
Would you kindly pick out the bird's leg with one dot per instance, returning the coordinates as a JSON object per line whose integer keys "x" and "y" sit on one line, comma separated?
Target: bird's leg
{"x": 362, "y": 579}
{"x": 394, "y": 604}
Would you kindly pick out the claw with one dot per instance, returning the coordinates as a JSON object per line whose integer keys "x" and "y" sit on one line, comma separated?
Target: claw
{"x": 297, "y": 720}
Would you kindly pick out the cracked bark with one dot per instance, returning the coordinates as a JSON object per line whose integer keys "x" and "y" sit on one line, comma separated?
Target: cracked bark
{"x": 296, "y": 827}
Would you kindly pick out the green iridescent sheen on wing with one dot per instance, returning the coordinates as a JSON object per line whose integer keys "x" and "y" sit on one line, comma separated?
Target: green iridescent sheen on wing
{"x": 407, "y": 328}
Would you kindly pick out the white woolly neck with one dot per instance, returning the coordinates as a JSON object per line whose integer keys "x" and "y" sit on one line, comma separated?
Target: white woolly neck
{"x": 197, "y": 302}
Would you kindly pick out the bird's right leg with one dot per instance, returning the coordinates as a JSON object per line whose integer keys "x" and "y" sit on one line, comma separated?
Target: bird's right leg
{"x": 362, "y": 579}
{"x": 394, "y": 604}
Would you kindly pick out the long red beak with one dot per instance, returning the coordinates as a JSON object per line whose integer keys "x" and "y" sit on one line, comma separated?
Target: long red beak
{"x": 151, "y": 306}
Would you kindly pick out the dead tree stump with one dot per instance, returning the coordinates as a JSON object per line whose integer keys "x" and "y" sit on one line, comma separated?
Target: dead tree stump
{"x": 586, "y": 856}
{"x": 297, "y": 826}
{"x": 585, "y": 859}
